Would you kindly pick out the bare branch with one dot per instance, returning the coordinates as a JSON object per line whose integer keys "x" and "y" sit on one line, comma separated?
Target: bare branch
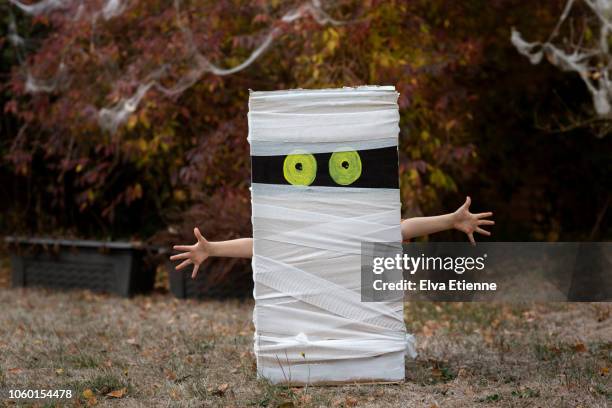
{"x": 591, "y": 61}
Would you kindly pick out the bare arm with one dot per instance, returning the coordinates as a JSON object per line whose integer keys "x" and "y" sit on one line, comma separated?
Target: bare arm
{"x": 200, "y": 251}
{"x": 235, "y": 248}
{"x": 419, "y": 226}
{"x": 462, "y": 220}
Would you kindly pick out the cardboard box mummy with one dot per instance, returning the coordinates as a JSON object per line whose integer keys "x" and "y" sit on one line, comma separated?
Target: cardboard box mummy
{"x": 324, "y": 179}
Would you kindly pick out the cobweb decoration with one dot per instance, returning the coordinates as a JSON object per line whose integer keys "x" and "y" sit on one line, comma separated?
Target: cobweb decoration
{"x": 114, "y": 116}
{"x": 584, "y": 51}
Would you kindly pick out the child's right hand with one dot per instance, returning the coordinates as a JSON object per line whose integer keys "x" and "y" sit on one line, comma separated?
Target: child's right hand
{"x": 194, "y": 254}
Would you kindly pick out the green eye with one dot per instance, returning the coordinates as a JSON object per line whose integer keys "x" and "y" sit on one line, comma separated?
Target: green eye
{"x": 300, "y": 169}
{"x": 345, "y": 167}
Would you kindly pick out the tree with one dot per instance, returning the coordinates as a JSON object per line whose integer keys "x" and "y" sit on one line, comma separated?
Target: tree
{"x": 580, "y": 43}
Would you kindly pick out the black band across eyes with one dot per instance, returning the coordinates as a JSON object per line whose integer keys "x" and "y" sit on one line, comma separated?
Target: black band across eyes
{"x": 372, "y": 168}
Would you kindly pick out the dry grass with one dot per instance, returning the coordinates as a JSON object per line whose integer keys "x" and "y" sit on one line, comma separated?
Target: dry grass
{"x": 161, "y": 352}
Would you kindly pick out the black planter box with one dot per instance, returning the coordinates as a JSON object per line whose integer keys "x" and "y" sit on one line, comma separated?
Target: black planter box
{"x": 113, "y": 267}
{"x": 217, "y": 279}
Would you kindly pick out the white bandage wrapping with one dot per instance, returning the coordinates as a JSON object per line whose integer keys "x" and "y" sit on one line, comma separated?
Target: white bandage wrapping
{"x": 310, "y": 323}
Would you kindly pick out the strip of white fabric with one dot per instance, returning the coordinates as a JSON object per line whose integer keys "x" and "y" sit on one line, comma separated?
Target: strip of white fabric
{"x": 307, "y": 244}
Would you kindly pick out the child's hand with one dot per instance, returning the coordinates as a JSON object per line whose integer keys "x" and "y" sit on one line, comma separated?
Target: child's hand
{"x": 465, "y": 221}
{"x": 194, "y": 254}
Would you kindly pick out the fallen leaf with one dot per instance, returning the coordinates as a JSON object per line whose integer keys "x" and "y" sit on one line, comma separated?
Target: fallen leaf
{"x": 430, "y": 327}
{"x": 120, "y": 393}
{"x": 222, "y": 389}
{"x": 603, "y": 315}
{"x": 131, "y": 341}
{"x": 604, "y": 370}
{"x": 529, "y": 316}
{"x": 350, "y": 402}
{"x": 59, "y": 371}
{"x": 487, "y": 336}
{"x": 580, "y": 348}
{"x": 15, "y": 370}
{"x": 88, "y": 394}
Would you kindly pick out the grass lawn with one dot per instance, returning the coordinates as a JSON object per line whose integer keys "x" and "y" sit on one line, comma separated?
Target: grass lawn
{"x": 155, "y": 350}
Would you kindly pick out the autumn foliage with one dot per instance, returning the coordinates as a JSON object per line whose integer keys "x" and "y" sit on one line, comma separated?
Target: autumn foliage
{"x": 468, "y": 110}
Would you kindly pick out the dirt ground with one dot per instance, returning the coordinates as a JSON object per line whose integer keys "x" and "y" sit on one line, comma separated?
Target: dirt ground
{"x": 157, "y": 351}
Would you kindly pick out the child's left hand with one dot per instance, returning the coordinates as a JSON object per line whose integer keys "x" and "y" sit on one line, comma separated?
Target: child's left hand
{"x": 464, "y": 221}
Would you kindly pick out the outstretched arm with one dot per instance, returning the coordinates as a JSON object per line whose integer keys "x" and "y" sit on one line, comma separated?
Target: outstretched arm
{"x": 462, "y": 220}
{"x": 197, "y": 253}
